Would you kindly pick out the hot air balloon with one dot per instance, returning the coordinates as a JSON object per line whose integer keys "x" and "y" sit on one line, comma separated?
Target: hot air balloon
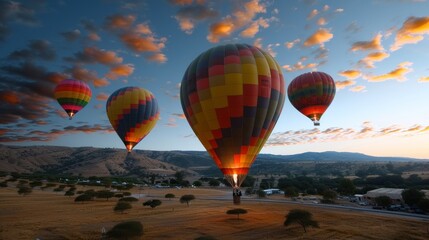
{"x": 311, "y": 93}
{"x": 72, "y": 95}
{"x": 232, "y": 97}
{"x": 133, "y": 113}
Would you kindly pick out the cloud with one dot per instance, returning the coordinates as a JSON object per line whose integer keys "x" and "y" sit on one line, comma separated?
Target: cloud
{"x": 119, "y": 22}
{"x": 312, "y": 14}
{"x": 122, "y": 70}
{"x": 344, "y": 84}
{"x": 241, "y": 17}
{"x": 351, "y": 74}
{"x": 300, "y": 66}
{"x": 319, "y": 37}
{"x": 44, "y": 136}
{"x": 411, "y": 32}
{"x": 181, "y": 2}
{"x": 86, "y": 75}
{"x": 353, "y": 27}
{"x": 102, "y": 96}
{"x": 189, "y": 16}
{"x": 339, "y": 10}
{"x": 374, "y": 44}
{"x": 179, "y": 115}
{"x": 157, "y": 57}
{"x": 290, "y": 45}
{"x": 322, "y": 21}
{"x": 334, "y": 134}
{"x": 359, "y": 88}
{"x": 398, "y": 73}
{"x": 424, "y": 79}
{"x": 369, "y": 60}
{"x": 92, "y": 30}
{"x": 17, "y": 12}
{"x": 171, "y": 122}
{"x": 95, "y": 55}
{"x": 37, "y": 49}
{"x": 253, "y": 28}
{"x": 71, "y": 35}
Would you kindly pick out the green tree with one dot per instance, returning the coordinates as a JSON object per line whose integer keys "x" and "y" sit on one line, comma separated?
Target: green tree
{"x": 261, "y": 193}
{"x": 152, "y": 203}
{"x": 412, "y": 196}
{"x": 126, "y": 230}
{"x": 83, "y": 198}
{"x": 180, "y": 176}
{"x": 197, "y": 183}
{"x": 214, "y": 183}
{"x": 424, "y": 204}
{"x": 329, "y": 196}
{"x": 121, "y": 206}
{"x": 236, "y": 211}
{"x": 24, "y": 190}
{"x": 291, "y": 191}
{"x": 129, "y": 199}
{"x": 346, "y": 187}
{"x": 383, "y": 201}
{"x": 69, "y": 193}
{"x": 169, "y": 196}
{"x": 105, "y": 194}
{"x": 301, "y": 217}
{"x": 186, "y": 199}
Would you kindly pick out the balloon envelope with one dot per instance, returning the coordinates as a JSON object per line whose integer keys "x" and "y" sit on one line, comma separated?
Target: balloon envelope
{"x": 232, "y": 97}
{"x": 311, "y": 93}
{"x": 133, "y": 113}
{"x": 72, "y": 95}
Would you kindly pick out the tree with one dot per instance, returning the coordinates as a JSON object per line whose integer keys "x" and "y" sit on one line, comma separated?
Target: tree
{"x": 152, "y": 203}
{"x": 424, "y": 204}
{"x": 261, "y": 193}
{"x": 197, "y": 183}
{"x": 24, "y": 190}
{"x": 105, "y": 194}
{"x": 301, "y": 217}
{"x": 214, "y": 183}
{"x": 383, "y": 201}
{"x": 129, "y": 199}
{"x": 121, "y": 206}
{"x": 69, "y": 193}
{"x": 412, "y": 196}
{"x": 186, "y": 199}
{"x": 83, "y": 197}
{"x": 346, "y": 187}
{"x": 291, "y": 191}
{"x": 329, "y": 196}
{"x": 180, "y": 176}
{"x": 126, "y": 230}
{"x": 237, "y": 211}
{"x": 169, "y": 196}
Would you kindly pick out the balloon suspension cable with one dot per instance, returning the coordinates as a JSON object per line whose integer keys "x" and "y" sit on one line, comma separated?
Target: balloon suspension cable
{"x": 315, "y": 121}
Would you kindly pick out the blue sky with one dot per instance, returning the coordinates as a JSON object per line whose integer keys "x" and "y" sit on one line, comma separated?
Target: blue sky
{"x": 376, "y": 51}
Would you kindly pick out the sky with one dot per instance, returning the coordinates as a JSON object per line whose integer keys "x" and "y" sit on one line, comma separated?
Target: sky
{"x": 377, "y": 52}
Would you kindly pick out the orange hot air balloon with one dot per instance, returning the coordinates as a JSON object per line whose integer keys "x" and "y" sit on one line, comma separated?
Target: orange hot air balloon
{"x": 311, "y": 93}
{"x": 72, "y": 95}
{"x": 232, "y": 97}
{"x": 133, "y": 113}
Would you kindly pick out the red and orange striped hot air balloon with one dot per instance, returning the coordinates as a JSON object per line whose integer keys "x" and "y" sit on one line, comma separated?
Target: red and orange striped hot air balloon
{"x": 311, "y": 93}
{"x": 232, "y": 97}
{"x": 133, "y": 113}
{"x": 72, "y": 95}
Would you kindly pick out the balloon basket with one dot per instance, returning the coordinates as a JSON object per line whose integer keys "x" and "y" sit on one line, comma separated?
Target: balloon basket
{"x": 236, "y": 200}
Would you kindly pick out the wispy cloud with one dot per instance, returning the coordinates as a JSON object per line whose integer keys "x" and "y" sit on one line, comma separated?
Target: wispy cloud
{"x": 351, "y": 74}
{"x": 300, "y": 65}
{"x": 424, "y": 79}
{"x": 334, "y": 134}
{"x": 241, "y": 17}
{"x": 17, "y": 12}
{"x": 102, "y": 96}
{"x": 344, "y": 84}
{"x": 319, "y": 37}
{"x": 189, "y": 16}
{"x": 359, "y": 88}
{"x": 312, "y": 14}
{"x": 37, "y": 49}
{"x": 398, "y": 73}
{"x": 72, "y": 35}
{"x": 371, "y": 58}
{"x": 374, "y": 44}
{"x": 122, "y": 70}
{"x": 290, "y": 45}
{"x": 412, "y": 31}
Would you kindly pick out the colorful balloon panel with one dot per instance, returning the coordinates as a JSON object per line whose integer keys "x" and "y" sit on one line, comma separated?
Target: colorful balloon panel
{"x": 311, "y": 93}
{"x": 232, "y": 97}
{"x": 133, "y": 113}
{"x": 72, "y": 95}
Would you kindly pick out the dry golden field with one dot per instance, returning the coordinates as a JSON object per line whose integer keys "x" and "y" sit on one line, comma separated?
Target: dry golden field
{"x": 47, "y": 215}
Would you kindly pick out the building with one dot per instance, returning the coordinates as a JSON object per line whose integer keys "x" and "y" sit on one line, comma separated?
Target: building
{"x": 395, "y": 194}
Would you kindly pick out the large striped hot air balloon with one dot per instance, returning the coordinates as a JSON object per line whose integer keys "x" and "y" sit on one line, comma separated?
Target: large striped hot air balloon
{"x": 311, "y": 93}
{"x": 232, "y": 97}
{"x": 133, "y": 113}
{"x": 72, "y": 95}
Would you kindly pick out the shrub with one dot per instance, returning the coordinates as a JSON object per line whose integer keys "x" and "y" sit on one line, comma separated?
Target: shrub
{"x": 122, "y": 206}
{"x": 152, "y": 203}
{"x": 126, "y": 230}
{"x": 186, "y": 199}
{"x": 129, "y": 199}
{"x": 82, "y": 198}
{"x": 301, "y": 217}
{"x": 169, "y": 195}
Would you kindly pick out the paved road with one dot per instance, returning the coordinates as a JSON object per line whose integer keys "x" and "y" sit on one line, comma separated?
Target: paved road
{"x": 328, "y": 206}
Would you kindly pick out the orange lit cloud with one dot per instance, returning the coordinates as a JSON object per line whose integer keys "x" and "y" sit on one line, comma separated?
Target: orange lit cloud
{"x": 120, "y": 21}
{"x": 253, "y": 29}
{"x": 123, "y": 70}
{"x": 369, "y": 60}
{"x": 312, "y": 14}
{"x": 171, "y": 122}
{"x": 300, "y": 66}
{"x": 344, "y": 84}
{"x": 352, "y": 74}
{"x": 143, "y": 44}
{"x": 102, "y": 96}
{"x": 398, "y": 73}
{"x": 179, "y": 115}
{"x": 374, "y": 44}
{"x": 359, "y": 88}
{"x": 319, "y": 37}
{"x": 411, "y": 32}
{"x": 322, "y": 21}
{"x": 424, "y": 79}
{"x": 239, "y": 18}
{"x": 88, "y": 76}
{"x": 94, "y": 55}
{"x": 189, "y": 16}
{"x": 341, "y": 134}
{"x": 290, "y": 45}
{"x": 181, "y": 2}
{"x": 9, "y": 97}
{"x": 157, "y": 57}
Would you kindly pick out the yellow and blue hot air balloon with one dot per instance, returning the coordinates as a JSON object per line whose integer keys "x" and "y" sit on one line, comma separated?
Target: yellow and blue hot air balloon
{"x": 133, "y": 113}
{"x": 72, "y": 95}
{"x": 232, "y": 96}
